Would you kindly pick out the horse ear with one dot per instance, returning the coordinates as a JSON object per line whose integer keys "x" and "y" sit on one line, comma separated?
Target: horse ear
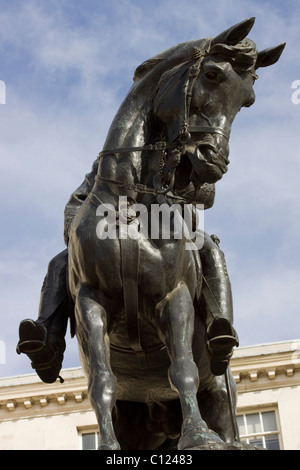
{"x": 234, "y": 34}
{"x": 269, "y": 56}
{"x": 145, "y": 67}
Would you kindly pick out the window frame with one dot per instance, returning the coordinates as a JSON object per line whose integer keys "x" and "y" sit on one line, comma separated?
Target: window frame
{"x": 88, "y": 430}
{"x": 262, "y": 434}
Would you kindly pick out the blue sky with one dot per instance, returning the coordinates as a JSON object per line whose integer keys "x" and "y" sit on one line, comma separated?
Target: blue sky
{"x": 67, "y": 65}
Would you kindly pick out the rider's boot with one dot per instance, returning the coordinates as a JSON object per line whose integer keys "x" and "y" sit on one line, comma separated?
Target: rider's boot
{"x": 43, "y": 340}
{"x": 44, "y": 344}
{"x": 221, "y": 339}
{"x": 221, "y": 336}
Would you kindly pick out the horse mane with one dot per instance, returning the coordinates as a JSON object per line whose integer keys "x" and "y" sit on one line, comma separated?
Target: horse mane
{"x": 242, "y": 55}
{"x": 146, "y": 79}
{"x": 167, "y": 59}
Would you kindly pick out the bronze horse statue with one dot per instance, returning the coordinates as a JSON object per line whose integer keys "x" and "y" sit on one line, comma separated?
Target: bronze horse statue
{"x": 140, "y": 328}
{"x": 157, "y": 365}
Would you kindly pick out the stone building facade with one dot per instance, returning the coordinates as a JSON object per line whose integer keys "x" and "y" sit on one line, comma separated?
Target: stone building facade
{"x": 38, "y": 416}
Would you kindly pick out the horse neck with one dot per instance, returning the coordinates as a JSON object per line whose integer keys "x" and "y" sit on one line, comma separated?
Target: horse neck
{"x": 129, "y": 129}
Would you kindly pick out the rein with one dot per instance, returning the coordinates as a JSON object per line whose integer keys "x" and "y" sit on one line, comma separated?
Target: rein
{"x": 180, "y": 145}
{"x": 138, "y": 187}
{"x": 151, "y": 147}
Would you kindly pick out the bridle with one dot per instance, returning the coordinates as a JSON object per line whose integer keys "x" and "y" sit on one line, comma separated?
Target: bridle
{"x": 185, "y": 130}
{"x": 192, "y": 74}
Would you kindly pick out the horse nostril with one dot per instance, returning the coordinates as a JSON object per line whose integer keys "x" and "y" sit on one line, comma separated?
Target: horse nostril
{"x": 206, "y": 149}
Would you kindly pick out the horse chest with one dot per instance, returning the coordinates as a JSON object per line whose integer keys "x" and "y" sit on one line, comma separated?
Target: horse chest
{"x": 163, "y": 265}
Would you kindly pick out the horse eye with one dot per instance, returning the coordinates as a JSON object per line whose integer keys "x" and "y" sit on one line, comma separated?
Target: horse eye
{"x": 211, "y": 75}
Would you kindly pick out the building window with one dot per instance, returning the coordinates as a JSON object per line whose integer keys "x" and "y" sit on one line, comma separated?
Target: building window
{"x": 259, "y": 429}
{"x": 89, "y": 440}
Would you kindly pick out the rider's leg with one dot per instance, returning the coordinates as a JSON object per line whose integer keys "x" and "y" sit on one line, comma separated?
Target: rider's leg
{"x": 43, "y": 340}
{"x": 218, "y": 304}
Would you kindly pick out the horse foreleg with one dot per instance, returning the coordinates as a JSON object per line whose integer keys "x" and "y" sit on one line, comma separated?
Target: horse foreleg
{"x": 218, "y": 407}
{"x": 94, "y": 341}
{"x": 176, "y": 326}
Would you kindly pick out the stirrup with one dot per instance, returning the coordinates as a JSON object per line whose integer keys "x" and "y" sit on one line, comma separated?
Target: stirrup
{"x": 222, "y": 338}
{"x": 37, "y": 337}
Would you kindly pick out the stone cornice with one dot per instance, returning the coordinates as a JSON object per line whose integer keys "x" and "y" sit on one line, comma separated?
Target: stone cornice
{"x": 26, "y": 396}
{"x": 254, "y": 368}
{"x": 267, "y": 366}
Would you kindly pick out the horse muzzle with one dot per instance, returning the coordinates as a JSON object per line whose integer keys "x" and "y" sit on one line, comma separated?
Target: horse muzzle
{"x": 208, "y": 163}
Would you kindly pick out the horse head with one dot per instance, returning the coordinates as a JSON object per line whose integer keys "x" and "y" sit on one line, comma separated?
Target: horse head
{"x": 197, "y": 100}
{"x": 188, "y": 97}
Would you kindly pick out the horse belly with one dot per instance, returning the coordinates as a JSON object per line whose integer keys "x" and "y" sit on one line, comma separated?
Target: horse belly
{"x": 150, "y": 384}
{"x": 161, "y": 269}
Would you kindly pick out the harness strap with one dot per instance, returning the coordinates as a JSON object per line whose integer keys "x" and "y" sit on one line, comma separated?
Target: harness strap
{"x": 210, "y": 299}
{"x": 130, "y": 261}
{"x": 210, "y": 130}
{"x": 151, "y": 147}
{"x": 138, "y": 187}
